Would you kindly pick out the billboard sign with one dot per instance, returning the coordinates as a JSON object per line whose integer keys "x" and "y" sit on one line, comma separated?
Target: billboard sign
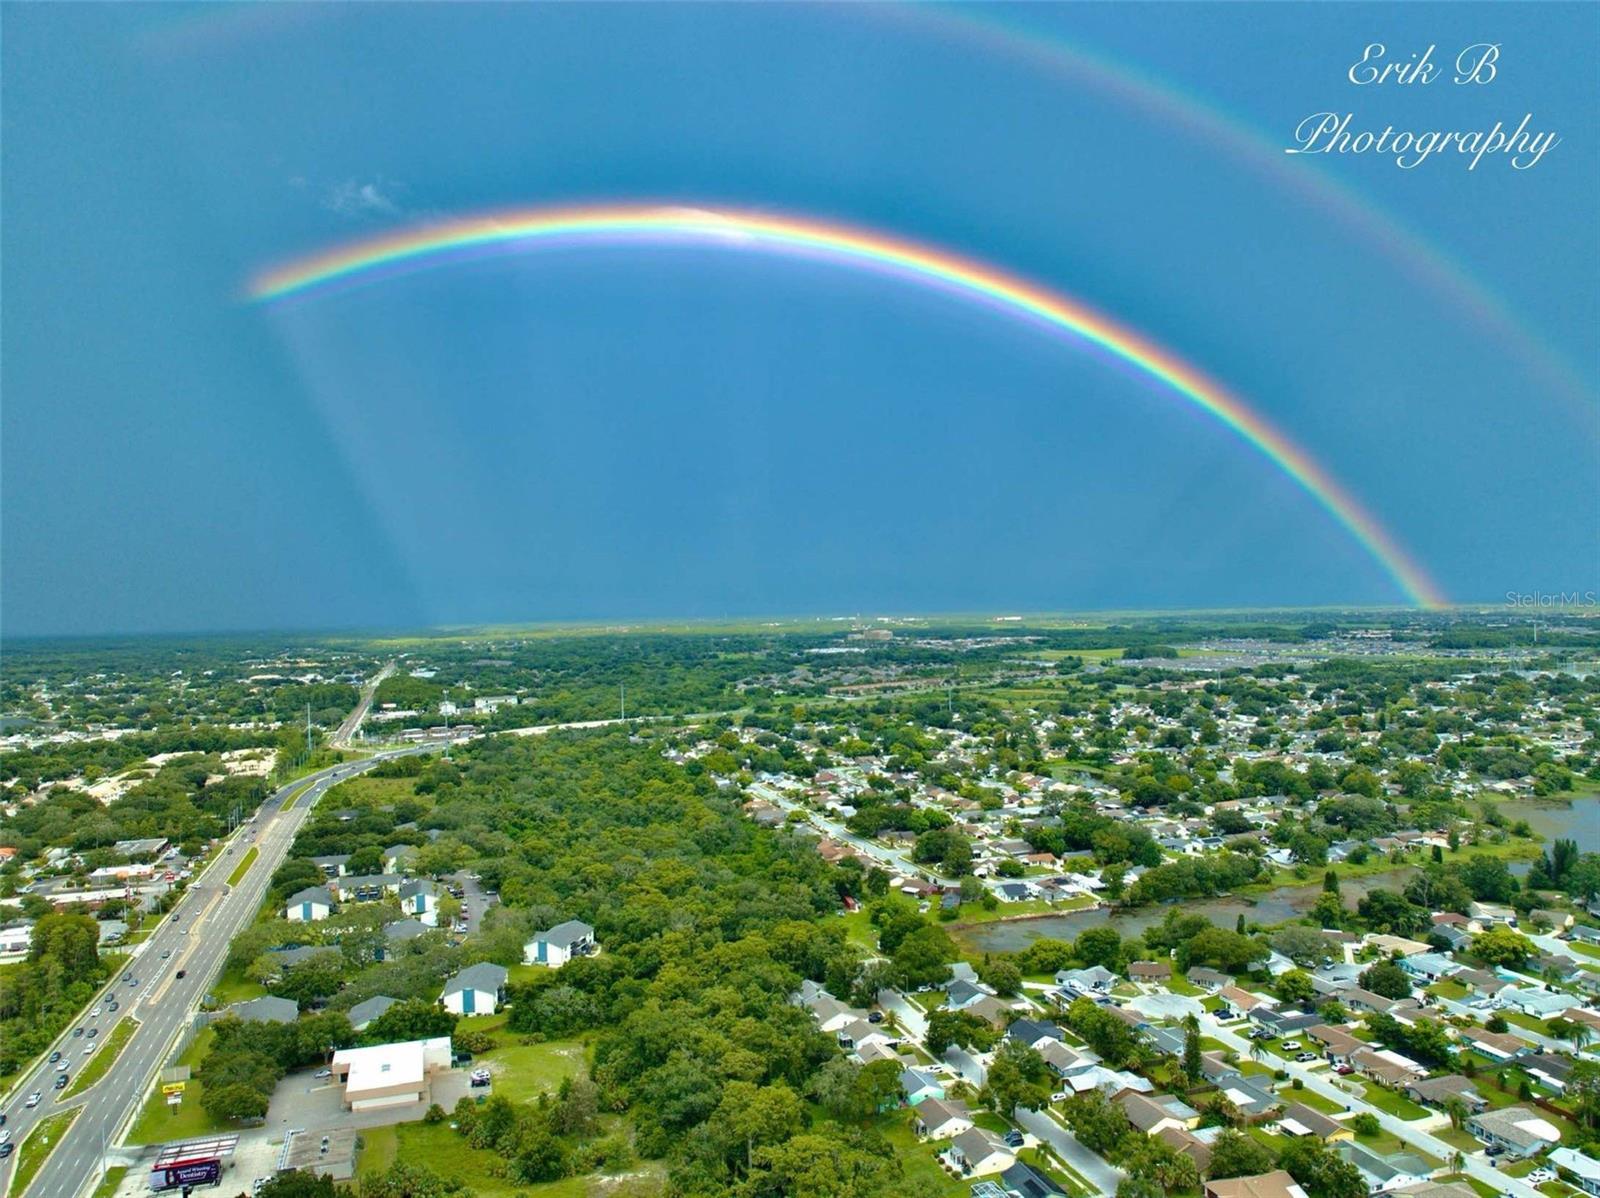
{"x": 195, "y": 1173}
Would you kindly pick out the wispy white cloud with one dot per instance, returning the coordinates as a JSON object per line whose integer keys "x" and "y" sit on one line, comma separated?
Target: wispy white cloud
{"x": 355, "y": 199}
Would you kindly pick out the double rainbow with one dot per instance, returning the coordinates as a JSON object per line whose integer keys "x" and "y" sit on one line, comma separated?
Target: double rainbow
{"x": 861, "y": 249}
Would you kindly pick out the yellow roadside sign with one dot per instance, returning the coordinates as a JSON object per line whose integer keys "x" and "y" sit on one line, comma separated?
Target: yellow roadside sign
{"x": 173, "y": 1088}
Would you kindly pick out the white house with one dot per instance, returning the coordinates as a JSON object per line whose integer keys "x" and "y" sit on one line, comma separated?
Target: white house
{"x": 559, "y": 944}
{"x": 388, "y": 1075}
{"x": 476, "y": 990}
{"x": 942, "y": 1119}
{"x": 312, "y": 903}
{"x": 975, "y": 1152}
{"x": 420, "y": 900}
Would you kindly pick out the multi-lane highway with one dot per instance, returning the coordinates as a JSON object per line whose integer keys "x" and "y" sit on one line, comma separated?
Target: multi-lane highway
{"x": 194, "y": 939}
{"x": 352, "y": 722}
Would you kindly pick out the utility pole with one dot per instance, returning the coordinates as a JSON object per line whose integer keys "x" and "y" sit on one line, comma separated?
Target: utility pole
{"x": 308, "y": 729}
{"x": 624, "y": 698}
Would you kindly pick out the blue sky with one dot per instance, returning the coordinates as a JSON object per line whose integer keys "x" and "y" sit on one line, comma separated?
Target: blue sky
{"x": 623, "y": 432}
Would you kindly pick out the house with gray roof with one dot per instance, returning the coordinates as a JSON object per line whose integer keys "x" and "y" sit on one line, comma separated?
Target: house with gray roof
{"x": 363, "y": 1013}
{"x": 476, "y": 990}
{"x": 266, "y": 1009}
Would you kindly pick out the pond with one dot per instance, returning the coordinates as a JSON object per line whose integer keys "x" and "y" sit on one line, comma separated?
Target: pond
{"x": 1578, "y": 820}
{"x": 1274, "y": 906}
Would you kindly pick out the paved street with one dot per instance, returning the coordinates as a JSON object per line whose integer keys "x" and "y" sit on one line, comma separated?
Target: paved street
{"x": 197, "y": 935}
{"x": 352, "y": 722}
{"x": 1091, "y": 1165}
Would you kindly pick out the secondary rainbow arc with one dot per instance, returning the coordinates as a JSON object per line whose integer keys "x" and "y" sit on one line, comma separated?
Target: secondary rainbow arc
{"x": 438, "y": 244}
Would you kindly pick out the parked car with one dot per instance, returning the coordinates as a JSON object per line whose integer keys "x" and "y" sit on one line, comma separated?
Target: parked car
{"x": 324, "y": 1073}
{"x": 481, "y": 1077}
{"x": 1291, "y": 1046}
{"x": 1344, "y": 1070}
{"x": 1304, "y": 1057}
{"x": 874, "y": 1016}
{"x": 1013, "y": 1138}
{"x": 1539, "y": 1177}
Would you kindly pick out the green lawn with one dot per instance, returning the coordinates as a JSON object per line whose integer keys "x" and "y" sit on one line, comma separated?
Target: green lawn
{"x": 923, "y": 1173}
{"x": 234, "y": 987}
{"x": 1315, "y": 1101}
{"x": 37, "y": 1147}
{"x": 1449, "y": 989}
{"x": 1386, "y": 1143}
{"x": 1179, "y": 984}
{"x": 243, "y": 867}
{"x": 157, "y": 1123}
{"x": 524, "y": 1071}
{"x": 449, "y": 1155}
{"x": 109, "y": 1183}
{"x": 1391, "y": 1103}
{"x": 103, "y": 1058}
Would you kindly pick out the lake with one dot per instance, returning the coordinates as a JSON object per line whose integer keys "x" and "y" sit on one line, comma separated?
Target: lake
{"x": 1578, "y": 820}
{"x": 1274, "y": 906}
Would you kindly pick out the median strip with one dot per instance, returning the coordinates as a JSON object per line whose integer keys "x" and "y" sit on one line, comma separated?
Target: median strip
{"x": 243, "y": 867}
{"x": 37, "y": 1147}
{"x": 103, "y": 1059}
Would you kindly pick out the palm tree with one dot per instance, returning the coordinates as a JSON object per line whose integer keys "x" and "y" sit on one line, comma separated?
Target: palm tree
{"x": 1457, "y": 1110}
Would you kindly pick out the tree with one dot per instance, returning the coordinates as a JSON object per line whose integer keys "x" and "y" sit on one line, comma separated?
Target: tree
{"x": 409, "y": 1019}
{"x": 1388, "y": 979}
{"x": 402, "y": 1180}
{"x": 961, "y": 1028}
{"x": 1017, "y": 1077}
{"x": 1097, "y": 1122}
{"x": 1191, "y": 1050}
{"x": 1323, "y": 1175}
{"x": 821, "y": 1166}
{"x": 1100, "y": 946}
{"x": 1304, "y": 946}
{"x": 234, "y": 1101}
{"x": 1003, "y": 975}
{"x": 297, "y": 1184}
{"x": 923, "y": 957}
{"x": 1295, "y": 987}
{"x": 1502, "y": 946}
{"x": 1235, "y": 1154}
{"x": 1366, "y": 1124}
{"x": 751, "y": 1117}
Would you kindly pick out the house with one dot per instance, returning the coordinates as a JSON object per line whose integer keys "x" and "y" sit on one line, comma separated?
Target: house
{"x": 1383, "y": 1173}
{"x": 1436, "y": 1189}
{"x": 961, "y": 993}
{"x": 267, "y": 1009}
{"x": 398, "y": 931}
{"x": 1386, "y": 1068}
{"x": 305, "y": 906}
{"x": 365, "y": 888}
{"x": 1208, "y": 979}
{"x": 1254, "y": 1099}
{"x": 1024, "y": 1181}
{"x": 1582, "y": 1171}
{"x": 1300, "y": 1120}
{"x": 1150, "y": 971}
{"x": 1516, "y": 1129}
{"x": 1242, "y": 1000}
{"x": 389, "y": 1075}
{"x": 558, "y": 945}
{"x": 332, "y": 865}
{"x": 1095, "y": 982}
{"x": 942, "y": 1118}
{"x": 1480, "y": 982}
{"x": 1156, "y": 1112}
{"x": 1365, "y": 1002}
{"x": 859, "y": 1033}
{"x": 1188, "y": 1144}
{"x": 920, "y": 1085}
{"x": 1541, "y": 1004}
{"x": 1431, "y": 967}
{"x": 873, "y": 1050}
{"x": 1338, "y": 1045}
{"x": 420, "y": 898}
{"x": 1438, "y": 1091}
{"x": 476, "y": 990}
{"x": 1550, "y": 1070}
{"x": 1032, "y": 1031}
{"x": 991, "y": 1009}
{"x": 1276, "y": 1184}
{"x": 1559, "y": 921}
{"x": 1499, "y": 1046}
{"x": 1488, "y": 914}
{"x": 976, "y": 1152}
{"x": 363, "y": 1013}
{"x": 1284, "y": 1023}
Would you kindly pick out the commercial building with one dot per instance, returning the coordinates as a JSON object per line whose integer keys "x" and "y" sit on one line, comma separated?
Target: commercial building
{"x": 386, "y": 1075}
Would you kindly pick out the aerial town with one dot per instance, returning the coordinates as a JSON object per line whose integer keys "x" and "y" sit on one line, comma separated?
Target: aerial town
{"x": 1213, "y": 906}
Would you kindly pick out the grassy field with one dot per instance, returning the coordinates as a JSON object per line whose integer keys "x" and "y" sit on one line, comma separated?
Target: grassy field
{"x": 157, "y": 1123}
{"x": 1392, "y": 1103}
{"x": 234, "y": 987}
{"x": 104, "y": 1057}
{"x": 110, "y": 1182}
{"x": 524, "y": 1071}
{"x": 37, "y": 1147}
{"x": 243, "y": 867}
{"x": 449, "y": 1155}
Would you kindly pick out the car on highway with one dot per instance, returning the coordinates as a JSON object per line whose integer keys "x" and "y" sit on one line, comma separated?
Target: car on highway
{"x": 55, "y": 1056}
{"x": 62, "y": 1079}
{"x": 181, "y": 973}
{"x": 62, "y": 1066}
{"x": 6, "y": 1149}
{"x": 77, "y": 1031}
{"x": 165, "y": 953}
{"x": 34, "y": 1099}
{"x": 94, "y": 1012}
{"x": 133, "y": 981}
{"x": 93, "y": 1032}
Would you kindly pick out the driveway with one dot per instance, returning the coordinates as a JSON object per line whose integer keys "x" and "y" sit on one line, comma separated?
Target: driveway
{"x": 912, "y": 1021}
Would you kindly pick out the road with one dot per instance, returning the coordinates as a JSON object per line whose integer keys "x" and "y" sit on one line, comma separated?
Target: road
{"x": 197, "y": 936}
{"x": 352, "y": 722}
{"x": 1475, "y": 1164}
{"x": 1091, "y": 1166}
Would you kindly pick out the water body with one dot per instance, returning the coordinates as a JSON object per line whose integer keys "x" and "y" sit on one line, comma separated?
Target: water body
{"x": 1275, "y": 906}
{"x": 1578, "y": 820}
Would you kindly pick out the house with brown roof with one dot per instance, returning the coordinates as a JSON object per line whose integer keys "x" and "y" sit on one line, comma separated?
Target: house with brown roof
{"x": 1242, "y": 1000}
{"x": 1501, "y": 1046}
{"x": 1385, "y": 1068}
{"x": 1338, "y": 1045}
{"x": 1150, "y": 971}
{"x": 1300, "y": 1120}
{"x": 1277, "y": 1184}
{"x": 1438, "y": 1091}
{"x": 1151, "y": 1113}
{"x": 1186, "y": 1143}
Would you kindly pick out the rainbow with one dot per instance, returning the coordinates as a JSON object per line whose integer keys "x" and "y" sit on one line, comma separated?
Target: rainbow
{"x": 440, "y": 244}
